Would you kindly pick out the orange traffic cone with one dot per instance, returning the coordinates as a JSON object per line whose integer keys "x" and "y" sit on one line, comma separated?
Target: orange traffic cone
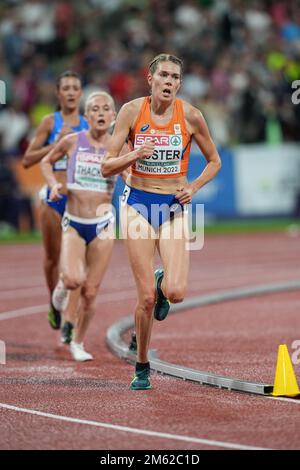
{"x": 285, "y": 383}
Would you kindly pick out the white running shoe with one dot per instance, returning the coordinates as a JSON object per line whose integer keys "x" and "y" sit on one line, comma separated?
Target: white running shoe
{"x": 60, "y": 296}
{"x": 78, "y": 352}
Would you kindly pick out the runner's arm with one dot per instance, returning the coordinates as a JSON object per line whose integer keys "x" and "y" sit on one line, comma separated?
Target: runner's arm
{"x": 113, "y": 162}
{"x": 37, "y": 150}
{"x": 60, "y": 150}
{"x": 125, "y": 149}
{"x": 205, "y": 143}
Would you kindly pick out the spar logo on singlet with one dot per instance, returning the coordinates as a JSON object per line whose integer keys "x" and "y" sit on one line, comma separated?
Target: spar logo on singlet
{"x": 166, "y": 158}
{"x": 175, "y": 140}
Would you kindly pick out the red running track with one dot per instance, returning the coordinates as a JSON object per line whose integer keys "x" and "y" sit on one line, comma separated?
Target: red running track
{"x": 236, "y": 338}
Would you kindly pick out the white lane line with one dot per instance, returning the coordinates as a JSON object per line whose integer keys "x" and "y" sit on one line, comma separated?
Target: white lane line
{"x": 23, "y": 293}
{"x": 101, "y": 299}
{"x": 290, "y": 400}
{"x": 21, "y": 312}
{"x": 40, "y": 291}
{"x": 142, "y": 432}
{"x": 43, "y": 308}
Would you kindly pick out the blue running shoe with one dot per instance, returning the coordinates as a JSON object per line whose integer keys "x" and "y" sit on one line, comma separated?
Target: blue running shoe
{"x": 162, "y": 305}
{"x": 54, "y": 317}
{"x": 141, "y": 380}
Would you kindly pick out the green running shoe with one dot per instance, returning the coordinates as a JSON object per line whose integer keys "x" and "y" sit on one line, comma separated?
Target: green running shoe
{"x": 133, "y": 345}
{"x": 67, "y": 332}
{"x": 54, "y": 317}
{"x": 141, "y": 380}
{"x": 162, "y": 306}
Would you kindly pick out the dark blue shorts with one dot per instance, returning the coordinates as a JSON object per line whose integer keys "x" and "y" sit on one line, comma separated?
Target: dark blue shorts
{"x": 155, "y": 208}
{"x": 88, "y": 229}
{"x": 59, "y": 206}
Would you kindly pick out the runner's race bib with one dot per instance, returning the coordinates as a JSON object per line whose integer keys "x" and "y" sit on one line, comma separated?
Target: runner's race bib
{"x": 61, "y": 164}
{"x": 88, "y": 174}
{"x": 166, "y": 158}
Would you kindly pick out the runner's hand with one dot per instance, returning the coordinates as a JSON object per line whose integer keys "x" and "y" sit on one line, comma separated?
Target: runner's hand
{"x": 55, "y": 192}
{"x": 146, "y": 150}
{"x": 184, "y": 195}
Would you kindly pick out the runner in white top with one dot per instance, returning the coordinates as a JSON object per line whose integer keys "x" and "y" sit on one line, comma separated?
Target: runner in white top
{"x": 88, "y": 229}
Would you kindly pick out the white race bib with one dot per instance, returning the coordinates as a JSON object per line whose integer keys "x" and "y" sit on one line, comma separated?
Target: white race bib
{"x": 88, "y": 176}
{"x": 61, "y": 164}
{"x": 166, "y": 158}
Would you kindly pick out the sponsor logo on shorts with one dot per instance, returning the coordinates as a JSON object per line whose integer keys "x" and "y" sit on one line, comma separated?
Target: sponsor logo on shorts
{"x": 174, "y": 207}
{"x": 101, "y": 226}
{"x": 65, "y": 223}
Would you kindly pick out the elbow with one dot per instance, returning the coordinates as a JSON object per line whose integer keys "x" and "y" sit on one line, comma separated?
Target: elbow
{"x": 105, "y": 170}
{"x": 43, "y": 165}
{"x": 25, "y": 163}
{"x": 218, "y": 165}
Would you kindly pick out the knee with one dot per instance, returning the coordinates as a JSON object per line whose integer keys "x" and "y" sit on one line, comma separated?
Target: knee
{"x": 89, "y": 293}
{"x": 73, "y": 281}
{"x": 147, "y": 301}
{"x": 175, "y": 293}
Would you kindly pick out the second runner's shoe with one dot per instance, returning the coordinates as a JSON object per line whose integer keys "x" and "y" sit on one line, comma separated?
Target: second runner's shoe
{"x": 162, "y": 306}
{"x": 54, "y": 317}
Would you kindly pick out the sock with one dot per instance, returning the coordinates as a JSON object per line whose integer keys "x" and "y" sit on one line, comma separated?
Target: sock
{"x": 139, "y": 366}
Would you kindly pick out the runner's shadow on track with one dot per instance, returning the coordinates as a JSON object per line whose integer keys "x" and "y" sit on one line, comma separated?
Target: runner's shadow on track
{"x": 57, "y": 354}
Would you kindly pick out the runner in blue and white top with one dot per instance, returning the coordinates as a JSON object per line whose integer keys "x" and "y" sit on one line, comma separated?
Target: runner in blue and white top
{"x": 51, "y": 129}
{"x": 88, "y": 229}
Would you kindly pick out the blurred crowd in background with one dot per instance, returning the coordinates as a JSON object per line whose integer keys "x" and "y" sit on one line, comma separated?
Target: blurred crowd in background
{"x": 240, "y": 60}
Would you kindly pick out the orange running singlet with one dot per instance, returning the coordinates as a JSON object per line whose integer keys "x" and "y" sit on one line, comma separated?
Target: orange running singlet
{"x": 172, "y": 143}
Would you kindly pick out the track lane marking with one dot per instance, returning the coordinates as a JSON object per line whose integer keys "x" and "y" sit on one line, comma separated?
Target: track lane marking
{"x": 21, "y": 312}
{"x": 101, "y": 298}
{"x": 143, "y": 432}
{"x": 290, "y": 400}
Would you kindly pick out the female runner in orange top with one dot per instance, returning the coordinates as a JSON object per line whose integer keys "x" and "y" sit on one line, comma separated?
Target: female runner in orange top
{"x": 160, "y": 129}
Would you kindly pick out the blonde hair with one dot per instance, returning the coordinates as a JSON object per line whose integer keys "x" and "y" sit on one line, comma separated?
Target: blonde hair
{"x": 99, "y": 93}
